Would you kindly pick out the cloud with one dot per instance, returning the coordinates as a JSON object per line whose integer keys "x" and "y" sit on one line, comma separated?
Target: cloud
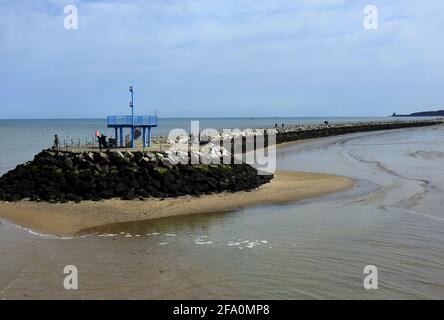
{"x": 220, "y": 58}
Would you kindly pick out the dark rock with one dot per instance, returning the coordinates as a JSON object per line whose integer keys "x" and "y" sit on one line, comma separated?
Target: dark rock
{"x": 68, "y": 163}
{"x": 130, "y": 195}
{"x": 138, "y": 155}
{"x": 167, "y": 163}
{"x": 64, "y": 176}
{"x": 120, "y": 189}
{"x": 129, "y": 156}
{"x": 117, "y": 156}
{"x": 102, "y": 157}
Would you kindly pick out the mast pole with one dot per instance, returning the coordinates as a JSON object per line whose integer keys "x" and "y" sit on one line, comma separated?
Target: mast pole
{"x": 132, "y": 116}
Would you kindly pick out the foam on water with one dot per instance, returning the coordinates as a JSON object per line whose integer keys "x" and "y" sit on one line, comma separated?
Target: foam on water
{"x": 48, "y": 236}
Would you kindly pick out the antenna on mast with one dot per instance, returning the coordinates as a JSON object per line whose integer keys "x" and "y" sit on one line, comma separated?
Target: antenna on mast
{"x": 131, "y": 89}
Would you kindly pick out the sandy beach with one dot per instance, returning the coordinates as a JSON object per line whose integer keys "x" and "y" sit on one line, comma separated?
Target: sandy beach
{"x": 71, "y": 218}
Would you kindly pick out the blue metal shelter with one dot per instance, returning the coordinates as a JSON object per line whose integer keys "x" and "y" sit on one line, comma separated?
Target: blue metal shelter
{"x": 132, "y": 121}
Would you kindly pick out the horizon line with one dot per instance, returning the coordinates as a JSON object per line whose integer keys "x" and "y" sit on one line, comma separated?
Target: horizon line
{"x": 205, "y": 117}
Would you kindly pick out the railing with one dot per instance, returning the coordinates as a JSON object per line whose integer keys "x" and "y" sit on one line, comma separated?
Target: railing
{"x": 128, "y": 120}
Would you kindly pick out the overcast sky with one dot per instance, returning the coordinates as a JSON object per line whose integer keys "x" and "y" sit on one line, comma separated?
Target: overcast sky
{"x": 190, "y": 58}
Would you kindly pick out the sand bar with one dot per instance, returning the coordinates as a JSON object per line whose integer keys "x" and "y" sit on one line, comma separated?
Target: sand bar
{"x": 69, "y": 218}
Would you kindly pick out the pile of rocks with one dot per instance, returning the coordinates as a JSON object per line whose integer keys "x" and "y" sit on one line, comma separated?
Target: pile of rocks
{"x": 298, "y": 132}
{"x": 58, "y": 176}
{"x": 325, "y": 130}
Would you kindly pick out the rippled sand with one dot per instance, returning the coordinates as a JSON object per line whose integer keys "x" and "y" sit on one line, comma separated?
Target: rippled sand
{"x": 312, "y": 249}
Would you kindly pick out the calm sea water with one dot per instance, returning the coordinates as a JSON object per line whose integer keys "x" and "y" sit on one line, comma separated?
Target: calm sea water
{"x": 22, "y": 139}
{"x": 311, "y": 249}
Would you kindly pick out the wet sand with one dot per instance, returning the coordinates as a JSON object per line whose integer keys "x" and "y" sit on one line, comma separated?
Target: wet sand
{"x": 70, "y": 218}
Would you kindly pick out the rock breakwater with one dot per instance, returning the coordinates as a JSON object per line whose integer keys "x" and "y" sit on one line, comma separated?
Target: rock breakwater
{"x": 58, "y": 176}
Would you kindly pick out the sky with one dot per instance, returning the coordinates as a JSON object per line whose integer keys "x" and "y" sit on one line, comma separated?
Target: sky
{"x": 220, "y": 58}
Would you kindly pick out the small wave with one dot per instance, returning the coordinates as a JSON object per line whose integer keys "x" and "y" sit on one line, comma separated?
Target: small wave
{"x": 48, "y": 236}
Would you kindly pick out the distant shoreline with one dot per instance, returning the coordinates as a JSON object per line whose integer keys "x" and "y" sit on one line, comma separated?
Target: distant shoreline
{"x": 438, "y": 113}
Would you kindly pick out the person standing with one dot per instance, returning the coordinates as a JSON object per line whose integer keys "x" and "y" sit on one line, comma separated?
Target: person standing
{"x": 56, "y": 143}
{"x": 99, "y": 139}
{"x": 102, "y": 142}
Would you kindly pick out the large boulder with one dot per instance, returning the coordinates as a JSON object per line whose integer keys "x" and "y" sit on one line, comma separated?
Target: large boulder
{"x": 69, "y": 164}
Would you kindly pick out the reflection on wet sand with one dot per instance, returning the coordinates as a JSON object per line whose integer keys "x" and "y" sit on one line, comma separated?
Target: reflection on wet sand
{"x": 193, "y": 223}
